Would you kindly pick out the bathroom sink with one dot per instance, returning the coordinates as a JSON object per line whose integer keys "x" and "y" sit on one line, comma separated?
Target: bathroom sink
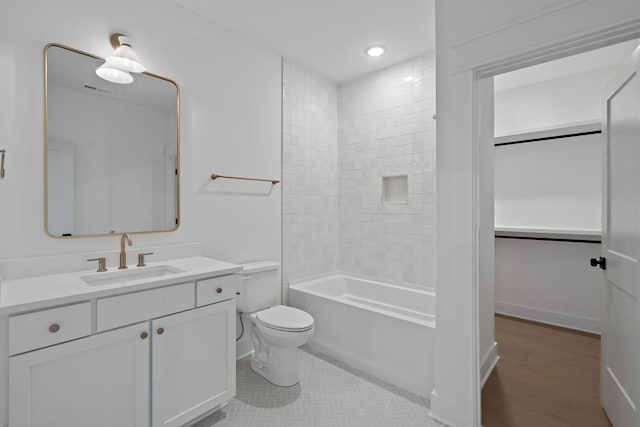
{"x": 130, "y": 275}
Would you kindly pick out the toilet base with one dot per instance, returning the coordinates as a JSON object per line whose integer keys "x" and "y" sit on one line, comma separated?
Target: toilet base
{"x": 275, "y": 356}
{"x": 282, "y": 368}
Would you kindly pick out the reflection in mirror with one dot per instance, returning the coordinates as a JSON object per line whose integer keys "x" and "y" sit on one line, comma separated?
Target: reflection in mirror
{"x": 112, "y": 150}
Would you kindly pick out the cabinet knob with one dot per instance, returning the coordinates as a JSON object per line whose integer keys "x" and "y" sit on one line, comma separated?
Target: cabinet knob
{"x": 219, "y": 290}
{"x": 160, "y": 331}
{"x": 144, "y": 335}
{"x": 54, "y": 328}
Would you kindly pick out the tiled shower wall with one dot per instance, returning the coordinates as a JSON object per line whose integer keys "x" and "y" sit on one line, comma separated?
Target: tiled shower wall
{"x": 338, "y": 144}
{"x": 386, "y": 128}
{"x": 310, "y": 187}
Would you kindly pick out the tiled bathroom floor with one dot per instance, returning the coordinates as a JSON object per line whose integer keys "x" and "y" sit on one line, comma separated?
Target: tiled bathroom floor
{"x": 329, "y": 394}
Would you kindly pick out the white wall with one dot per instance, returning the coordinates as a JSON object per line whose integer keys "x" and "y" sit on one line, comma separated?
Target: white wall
{"x": 386, "y": 129}
{"x": 555, "y": 183}
{"x": 230, "y": 98}
{"x": 577, "y": 99}
{"x": 310, "y": 173}
{"x": 549, "y": 282}
{"x": 473, "y": 35}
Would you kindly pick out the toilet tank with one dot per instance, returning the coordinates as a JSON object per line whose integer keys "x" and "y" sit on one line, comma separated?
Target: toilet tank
{"x": 258, "y": 286}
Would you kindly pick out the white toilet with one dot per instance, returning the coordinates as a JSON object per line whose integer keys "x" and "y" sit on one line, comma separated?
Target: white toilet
{"x": 276, "y": 331}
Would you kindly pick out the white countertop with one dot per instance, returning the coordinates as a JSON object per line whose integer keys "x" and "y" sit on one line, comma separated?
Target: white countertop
{"x": 32, "y": 293}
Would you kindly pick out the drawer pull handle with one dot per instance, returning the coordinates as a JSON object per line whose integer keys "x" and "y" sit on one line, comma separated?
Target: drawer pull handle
{"x": 144, "y": 335}
{"x": 160, "y": 331}
{"x": 54, "y": 328}
{"x": 219, "y": 290}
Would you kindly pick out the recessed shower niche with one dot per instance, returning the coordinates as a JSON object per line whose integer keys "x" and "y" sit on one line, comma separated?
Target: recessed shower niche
{"x": 395, "y": 190}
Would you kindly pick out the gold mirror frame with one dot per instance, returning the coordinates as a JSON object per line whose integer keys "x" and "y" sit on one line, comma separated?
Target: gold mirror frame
{"x": 45, "y": 178}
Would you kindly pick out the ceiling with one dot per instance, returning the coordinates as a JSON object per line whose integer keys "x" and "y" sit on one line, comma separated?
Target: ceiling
{"x": 329, "y": 36}
{"x": 605, "y": 57}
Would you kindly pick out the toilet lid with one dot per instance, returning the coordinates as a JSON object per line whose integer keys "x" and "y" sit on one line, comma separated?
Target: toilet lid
{"x": 285, "y": 318}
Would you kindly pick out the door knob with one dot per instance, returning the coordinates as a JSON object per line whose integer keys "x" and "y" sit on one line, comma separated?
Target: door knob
{"x": 601, "y": 262}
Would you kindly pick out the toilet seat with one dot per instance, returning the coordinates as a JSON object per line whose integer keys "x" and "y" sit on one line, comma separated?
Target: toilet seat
{"x": 285, "y": 319}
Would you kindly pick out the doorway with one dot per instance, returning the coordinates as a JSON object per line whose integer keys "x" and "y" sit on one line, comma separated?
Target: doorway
{"x": 547, "y": 157}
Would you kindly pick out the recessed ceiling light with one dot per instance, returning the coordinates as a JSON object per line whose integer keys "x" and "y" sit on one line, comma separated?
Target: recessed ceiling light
{"x": 375, "y": 50}
{"x": 408, "y": 78}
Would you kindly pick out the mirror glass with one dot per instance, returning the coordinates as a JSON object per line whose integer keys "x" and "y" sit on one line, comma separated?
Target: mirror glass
{"x": 111, "y": 150}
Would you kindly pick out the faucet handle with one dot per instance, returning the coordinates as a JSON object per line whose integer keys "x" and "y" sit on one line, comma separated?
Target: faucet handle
{"x": 141, "y": 259}
{"x": 102, "y": 263}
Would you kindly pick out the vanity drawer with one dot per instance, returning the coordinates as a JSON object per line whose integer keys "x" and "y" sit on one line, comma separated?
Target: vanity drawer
{"x": 126, "y": 309}
{"x": 216, "y": 289}
{"x": 47, "y": 327}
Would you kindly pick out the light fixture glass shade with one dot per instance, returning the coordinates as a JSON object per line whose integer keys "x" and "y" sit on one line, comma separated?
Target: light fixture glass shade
{"x": 125, "y": 58}
{"x": 113, "y": 74}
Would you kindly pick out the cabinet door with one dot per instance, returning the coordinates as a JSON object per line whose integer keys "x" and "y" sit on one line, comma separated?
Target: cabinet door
{"x": 193, "y": 367}
{"x": 99, "y": 381}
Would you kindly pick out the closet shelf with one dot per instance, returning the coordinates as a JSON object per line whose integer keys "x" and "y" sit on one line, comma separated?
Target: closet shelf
{"x": 574, "y": 129}
{"x": 549, "y": 233}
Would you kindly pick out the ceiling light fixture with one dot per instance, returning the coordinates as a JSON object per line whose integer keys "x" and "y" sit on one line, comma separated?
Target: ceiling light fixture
{"x": 123, "y": 56}
{"x": 375, "y": 51}
{"x": 114, "y": 75}
{"x": 121, "y": 62}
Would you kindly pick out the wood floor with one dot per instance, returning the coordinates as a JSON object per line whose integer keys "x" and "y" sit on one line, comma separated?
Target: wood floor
{"x": 546, "y": 376}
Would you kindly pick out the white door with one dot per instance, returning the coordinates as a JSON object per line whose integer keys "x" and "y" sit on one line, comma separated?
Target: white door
{"x": 193, "y": 367}
{"x": 99, "y": 381}
{"x": 620, "y": 373}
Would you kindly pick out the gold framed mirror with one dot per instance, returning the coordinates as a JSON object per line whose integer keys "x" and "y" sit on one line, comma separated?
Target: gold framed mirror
{"x": 112, "y": 151}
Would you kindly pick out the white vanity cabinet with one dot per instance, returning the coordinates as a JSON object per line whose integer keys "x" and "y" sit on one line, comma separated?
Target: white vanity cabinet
{"x": 193, "y": 353}
{"x": 99, "y": 381}
{"x": 162, "y": 356}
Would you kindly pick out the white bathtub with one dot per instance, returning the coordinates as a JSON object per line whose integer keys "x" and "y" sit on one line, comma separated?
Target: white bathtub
{"x": 382, "y": 328}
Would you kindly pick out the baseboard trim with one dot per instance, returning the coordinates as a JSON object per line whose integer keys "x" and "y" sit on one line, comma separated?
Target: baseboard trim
{"x": 435, "y": 402}
{"x": 489, "y": 362}
{"x": 570, "y": 321}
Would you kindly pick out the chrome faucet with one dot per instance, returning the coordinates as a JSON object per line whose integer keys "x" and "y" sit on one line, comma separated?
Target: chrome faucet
{"x": 123, "y": 254}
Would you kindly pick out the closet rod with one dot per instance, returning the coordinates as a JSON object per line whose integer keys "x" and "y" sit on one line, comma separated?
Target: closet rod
{"x": 549, "y": 239}
{"x": 568, "y": 135}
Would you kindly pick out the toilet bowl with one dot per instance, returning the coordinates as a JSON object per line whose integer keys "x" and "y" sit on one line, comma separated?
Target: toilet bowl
{"x": 276, "y": 331}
